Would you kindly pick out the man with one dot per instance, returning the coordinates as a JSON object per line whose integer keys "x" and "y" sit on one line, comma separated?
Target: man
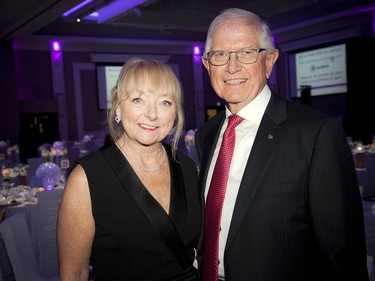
{"x": 291, "y": 205}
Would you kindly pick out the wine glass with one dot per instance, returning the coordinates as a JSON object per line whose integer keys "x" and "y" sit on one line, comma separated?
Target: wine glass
{"x": 11, "y": 182}
{"x": 4, "y": 191}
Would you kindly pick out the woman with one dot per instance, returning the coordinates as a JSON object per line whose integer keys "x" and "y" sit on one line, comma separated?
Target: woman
{"x": 131, "y": 209}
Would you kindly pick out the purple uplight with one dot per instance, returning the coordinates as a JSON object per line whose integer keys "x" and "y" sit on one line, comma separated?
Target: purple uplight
{"x": 56, "y": 56}
{"x": 196, "y": 50}
{"x": 56, "y": 52}
{"x": 55, "y": 46}
{"x": 197, "y": 54}
{"x": 273, "y": 40}
{"x": 77, "y": 7}
{"x": 197, "y": 59}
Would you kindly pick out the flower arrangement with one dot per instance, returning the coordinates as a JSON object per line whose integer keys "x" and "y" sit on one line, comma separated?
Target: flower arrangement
{"x": 58, "y": 149}
{"x": 49, "y": 154}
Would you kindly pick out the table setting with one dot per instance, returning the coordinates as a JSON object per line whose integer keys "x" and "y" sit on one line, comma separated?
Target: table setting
{"x": 13, "y": 189}
{"x": 18, "y": 195}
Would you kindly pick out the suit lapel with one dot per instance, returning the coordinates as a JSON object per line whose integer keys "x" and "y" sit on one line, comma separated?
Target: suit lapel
{"x": 264, "y": 149}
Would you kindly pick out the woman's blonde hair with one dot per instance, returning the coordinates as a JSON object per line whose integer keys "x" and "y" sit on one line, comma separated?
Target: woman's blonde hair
{"x": 131, "y": 78}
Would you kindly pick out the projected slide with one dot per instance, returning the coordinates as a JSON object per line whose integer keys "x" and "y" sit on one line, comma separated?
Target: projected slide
{"x": 111, "y": 75}
{"x": 107, "y": 79}
{"x": 323, "y": 69}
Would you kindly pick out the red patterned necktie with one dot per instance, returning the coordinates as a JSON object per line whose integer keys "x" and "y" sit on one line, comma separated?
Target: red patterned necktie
{"x": 215, "y": 199}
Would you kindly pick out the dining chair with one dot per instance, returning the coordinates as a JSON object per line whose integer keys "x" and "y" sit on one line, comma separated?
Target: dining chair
{"x": 48, "y": 203}
{"x": 16, "y": 236}
{"x": 6, "y": 271}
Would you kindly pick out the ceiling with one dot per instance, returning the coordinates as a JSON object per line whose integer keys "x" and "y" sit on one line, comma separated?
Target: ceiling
{"x": 157, "y": 19}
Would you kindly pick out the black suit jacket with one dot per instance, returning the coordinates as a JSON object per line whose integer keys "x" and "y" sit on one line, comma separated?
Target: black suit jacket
{"x": 298, "y": 213}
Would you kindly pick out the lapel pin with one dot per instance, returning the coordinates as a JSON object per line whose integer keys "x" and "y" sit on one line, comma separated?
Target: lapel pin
{"x": 270, "y": 137}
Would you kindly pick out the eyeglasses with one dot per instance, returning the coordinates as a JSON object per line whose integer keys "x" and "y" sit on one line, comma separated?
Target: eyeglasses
{"x": 245, "y": 56}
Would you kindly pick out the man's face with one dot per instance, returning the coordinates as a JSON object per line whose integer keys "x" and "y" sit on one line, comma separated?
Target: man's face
{"x": 235, "y": 82}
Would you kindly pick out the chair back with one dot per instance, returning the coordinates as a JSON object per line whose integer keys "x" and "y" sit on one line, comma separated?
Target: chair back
{"x": 5, "y": 266}
{"x": 48, "y": 202}
{"x": 16, "y": 237}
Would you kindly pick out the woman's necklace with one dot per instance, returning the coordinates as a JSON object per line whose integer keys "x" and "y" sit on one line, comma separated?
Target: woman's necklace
{"x": 140, "y": 165}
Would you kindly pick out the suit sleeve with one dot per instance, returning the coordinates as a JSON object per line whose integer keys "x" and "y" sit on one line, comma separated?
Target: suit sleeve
{"x": 335, "y": 203}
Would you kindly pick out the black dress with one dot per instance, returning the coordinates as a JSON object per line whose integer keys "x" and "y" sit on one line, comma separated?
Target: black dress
{"x": 132, "y": 229}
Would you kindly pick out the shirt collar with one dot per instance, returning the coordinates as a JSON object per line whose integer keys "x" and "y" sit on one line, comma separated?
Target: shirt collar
{"x": 255, "y": 109}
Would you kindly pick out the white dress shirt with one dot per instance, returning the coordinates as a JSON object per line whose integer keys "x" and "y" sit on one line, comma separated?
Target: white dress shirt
{"x": 245, "y": 136}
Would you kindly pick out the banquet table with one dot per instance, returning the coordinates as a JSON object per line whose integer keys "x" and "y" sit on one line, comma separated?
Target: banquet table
{"x": 41, "y": 218}
{"x": 32, "y": 214}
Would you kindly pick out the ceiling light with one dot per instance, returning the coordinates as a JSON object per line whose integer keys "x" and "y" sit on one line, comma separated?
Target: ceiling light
{"x": 77, "y": 7}
{"x": 113, "y": 9}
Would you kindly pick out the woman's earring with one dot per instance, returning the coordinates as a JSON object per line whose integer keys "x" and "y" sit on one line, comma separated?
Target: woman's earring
{"x": 117, "y": 119}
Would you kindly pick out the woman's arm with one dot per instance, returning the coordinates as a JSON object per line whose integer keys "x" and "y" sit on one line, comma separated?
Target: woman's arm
{"x": 75, "y": 228}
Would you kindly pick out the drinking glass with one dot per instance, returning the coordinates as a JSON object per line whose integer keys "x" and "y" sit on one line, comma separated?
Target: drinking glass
{"x": 4, "y": 191}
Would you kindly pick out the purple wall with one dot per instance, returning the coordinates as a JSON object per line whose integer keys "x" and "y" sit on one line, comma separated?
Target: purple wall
{"x": 9, "y": 110}
{"x": 33, "y": 72}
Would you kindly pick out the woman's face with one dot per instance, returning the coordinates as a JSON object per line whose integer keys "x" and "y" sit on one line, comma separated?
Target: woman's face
{"x": 147, "y": 117}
